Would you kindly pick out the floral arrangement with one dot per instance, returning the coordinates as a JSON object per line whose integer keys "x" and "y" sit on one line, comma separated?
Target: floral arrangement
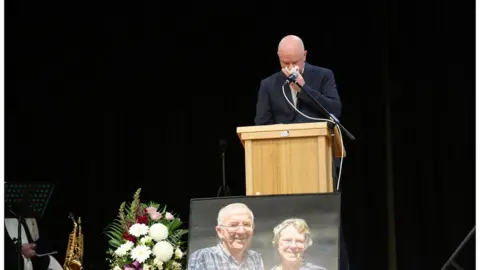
{"x": 145, "y": 237}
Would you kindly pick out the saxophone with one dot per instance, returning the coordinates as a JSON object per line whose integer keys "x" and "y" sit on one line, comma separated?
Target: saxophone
{"x": 74, "y": 254}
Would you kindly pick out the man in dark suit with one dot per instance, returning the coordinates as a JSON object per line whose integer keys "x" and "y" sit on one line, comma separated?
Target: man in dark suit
{"x": 319, "y": 82}
{"x": 273, "y": 108}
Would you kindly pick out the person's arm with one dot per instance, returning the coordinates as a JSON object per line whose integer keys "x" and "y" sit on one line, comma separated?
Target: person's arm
{"x": 263, "y": 113}
{"x": 329, "y": 99}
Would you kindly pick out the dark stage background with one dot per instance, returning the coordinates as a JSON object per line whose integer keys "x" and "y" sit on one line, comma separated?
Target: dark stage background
{"x": 101, "y": 100}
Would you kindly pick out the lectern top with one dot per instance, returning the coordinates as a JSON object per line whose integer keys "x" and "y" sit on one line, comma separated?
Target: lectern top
{"x": 288, "y": 131}
{"x": 280, "y": 127}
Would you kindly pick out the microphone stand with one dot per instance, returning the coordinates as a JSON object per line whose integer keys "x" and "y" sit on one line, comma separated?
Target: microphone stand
{"x": 223, "y": 187}
{"x": 451, "y": 260}
{"x": 332, "y": 118}
{"x": 18, "y": 244}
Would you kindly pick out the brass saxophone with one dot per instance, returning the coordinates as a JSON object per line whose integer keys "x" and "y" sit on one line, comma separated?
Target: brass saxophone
{"x": 74, "y": 254}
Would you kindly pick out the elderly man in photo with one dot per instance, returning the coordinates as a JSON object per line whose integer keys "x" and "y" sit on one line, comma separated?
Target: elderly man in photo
{"x": 235, "y": 226}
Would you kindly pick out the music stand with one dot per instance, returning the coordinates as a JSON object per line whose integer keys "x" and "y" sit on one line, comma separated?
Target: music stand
{"x": 25, "y": 200}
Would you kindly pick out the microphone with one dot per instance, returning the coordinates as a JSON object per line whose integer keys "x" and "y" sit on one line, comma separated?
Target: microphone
{"x": 292, "y": 77}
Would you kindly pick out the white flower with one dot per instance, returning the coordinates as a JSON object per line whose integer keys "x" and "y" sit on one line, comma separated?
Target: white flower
{"x": 163, "y": 251}
{"x": 158, "y": 263}
{"x": 141, "y": 253}
{"x": 178, "y": 253}
{"x": 176, "y": 266}
{"x": 158, "y": 232}
{"x": 147, "y": 267}
{"x": 117, "y": 267}
{"x": 124, "y": 248}
{"x": 146, "y": 240}
{"x": 138, "y": 229}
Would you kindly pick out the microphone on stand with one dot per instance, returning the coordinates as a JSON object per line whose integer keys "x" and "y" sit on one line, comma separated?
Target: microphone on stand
{"x": 293, "y": 77}
{"x": 223, "y": 188}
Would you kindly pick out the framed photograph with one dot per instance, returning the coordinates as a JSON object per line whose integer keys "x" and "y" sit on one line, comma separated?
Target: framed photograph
{"x": 265, "y": 232}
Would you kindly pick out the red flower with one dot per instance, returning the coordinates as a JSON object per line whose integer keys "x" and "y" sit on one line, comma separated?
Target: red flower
{"x": 142, "y": 220}
{"x": 128, "y": 237}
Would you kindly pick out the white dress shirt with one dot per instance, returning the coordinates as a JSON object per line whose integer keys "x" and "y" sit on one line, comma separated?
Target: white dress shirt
{"x": 295, "y": 93}
{"x": 12, "y": 228}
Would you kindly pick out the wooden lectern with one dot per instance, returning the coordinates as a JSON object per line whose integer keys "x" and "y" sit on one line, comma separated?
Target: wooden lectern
{"x": 289, "y": 158}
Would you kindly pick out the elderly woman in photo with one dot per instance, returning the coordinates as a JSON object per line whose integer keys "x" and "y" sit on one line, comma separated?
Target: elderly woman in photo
{"x": 291, "y": 238}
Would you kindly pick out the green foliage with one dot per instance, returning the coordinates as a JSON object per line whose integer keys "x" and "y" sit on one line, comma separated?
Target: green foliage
{"x": 127, "y": 215}
{"x": 134, "y": 207}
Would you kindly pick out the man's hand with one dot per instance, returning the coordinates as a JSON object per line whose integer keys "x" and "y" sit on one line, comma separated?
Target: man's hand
{"x": 300, "y": 79}
{"x": 28, "y": 250}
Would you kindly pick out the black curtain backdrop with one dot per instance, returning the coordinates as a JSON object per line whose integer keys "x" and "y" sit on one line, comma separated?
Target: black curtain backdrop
{"x": 102, "y": 100}
{"x": 433, "y": 133}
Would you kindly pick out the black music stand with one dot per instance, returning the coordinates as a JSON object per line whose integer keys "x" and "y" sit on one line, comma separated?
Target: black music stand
{"x": 25, "y": 200}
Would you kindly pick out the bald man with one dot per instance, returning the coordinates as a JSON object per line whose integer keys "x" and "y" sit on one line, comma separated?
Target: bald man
{"x": 319, "y": 82}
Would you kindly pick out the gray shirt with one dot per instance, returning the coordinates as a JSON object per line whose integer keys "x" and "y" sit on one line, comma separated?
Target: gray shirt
{"x": 218, "y": 258}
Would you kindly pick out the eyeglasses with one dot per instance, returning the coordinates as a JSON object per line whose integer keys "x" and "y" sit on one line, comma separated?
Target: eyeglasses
{"x": 235, "y": 227}
{"x": 298, "y": 244}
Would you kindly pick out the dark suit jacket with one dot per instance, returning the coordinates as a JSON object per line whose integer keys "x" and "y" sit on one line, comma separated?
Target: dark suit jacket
{"x": 272, "y": 108}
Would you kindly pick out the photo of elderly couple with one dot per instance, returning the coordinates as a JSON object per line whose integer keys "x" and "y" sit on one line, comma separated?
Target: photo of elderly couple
{"x": 265, "y": 232}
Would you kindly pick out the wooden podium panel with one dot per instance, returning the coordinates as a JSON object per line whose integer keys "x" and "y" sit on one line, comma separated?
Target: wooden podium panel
{"x": 288, "y": 159}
